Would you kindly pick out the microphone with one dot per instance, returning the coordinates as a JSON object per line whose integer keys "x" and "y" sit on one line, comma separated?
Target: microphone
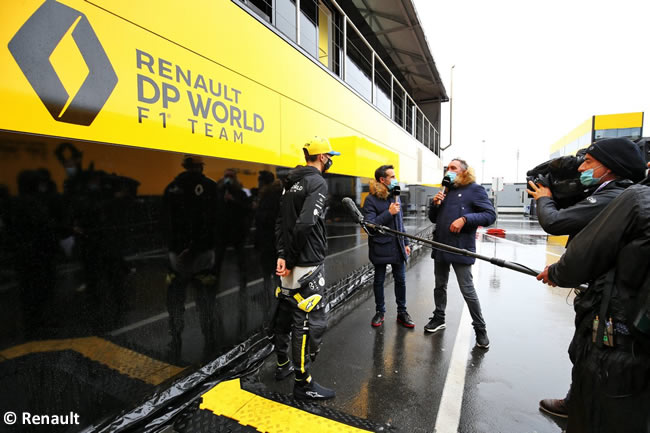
{"x": 446, "y": 183}
{"x": 356, "y": 215}
{"x": 396, "y": 191}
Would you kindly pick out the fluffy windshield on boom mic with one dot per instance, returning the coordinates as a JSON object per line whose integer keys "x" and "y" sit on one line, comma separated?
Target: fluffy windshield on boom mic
{"x": 446, "y": 183}
{"x": 357, "y": 217}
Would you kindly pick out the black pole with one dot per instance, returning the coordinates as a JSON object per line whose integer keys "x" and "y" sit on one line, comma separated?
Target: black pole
{"x": 495, "y": 261}
{"x": 358, "y": 217}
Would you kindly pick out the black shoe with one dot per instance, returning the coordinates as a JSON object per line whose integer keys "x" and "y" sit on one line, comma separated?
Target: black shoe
{"x": 312, "y": 391}
{"x": 284, "y": 370}
{"x": 378, "y": 319}
{"x": 555, "y": 407}
{"x": 435, "y": 324}
{"x": 482, "y": 339}
{"x": 405, "y": 320}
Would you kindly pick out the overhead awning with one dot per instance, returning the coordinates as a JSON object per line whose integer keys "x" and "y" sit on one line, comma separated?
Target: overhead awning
{"x": 395, "y": 25}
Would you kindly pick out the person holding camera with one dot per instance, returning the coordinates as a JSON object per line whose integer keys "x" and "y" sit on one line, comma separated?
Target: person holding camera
{"x": 610, "y": 166}
{"x": 383, "y": 207}
{"x": 610, "y": 348}
{"x": 457, "y": 214}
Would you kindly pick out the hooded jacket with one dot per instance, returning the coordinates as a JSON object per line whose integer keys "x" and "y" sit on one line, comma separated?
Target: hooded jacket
{"x": 300, "y": 236}
{"x": 384, "y": 249}
{"x": 464, "y": 198}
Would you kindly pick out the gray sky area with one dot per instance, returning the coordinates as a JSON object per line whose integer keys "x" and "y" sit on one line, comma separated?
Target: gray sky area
{"x": 526, "y": 73}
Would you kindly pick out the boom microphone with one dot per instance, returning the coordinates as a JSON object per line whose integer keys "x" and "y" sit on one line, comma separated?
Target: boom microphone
{"x": 356, "y": 215}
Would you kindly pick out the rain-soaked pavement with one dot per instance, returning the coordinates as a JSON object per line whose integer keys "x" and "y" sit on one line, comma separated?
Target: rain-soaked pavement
{"x": 422, "y": 382}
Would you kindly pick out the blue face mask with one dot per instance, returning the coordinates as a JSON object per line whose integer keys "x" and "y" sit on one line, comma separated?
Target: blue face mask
{"x": 452, "y": 176}
{"x": 393, "y": 183}
{"x": 587, "y": 178}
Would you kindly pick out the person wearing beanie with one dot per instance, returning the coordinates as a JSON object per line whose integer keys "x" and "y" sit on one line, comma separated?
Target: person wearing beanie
{"x": 609, "y": 167}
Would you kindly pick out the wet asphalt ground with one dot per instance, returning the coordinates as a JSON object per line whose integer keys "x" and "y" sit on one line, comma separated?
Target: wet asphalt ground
{"x": 417, "y": 382}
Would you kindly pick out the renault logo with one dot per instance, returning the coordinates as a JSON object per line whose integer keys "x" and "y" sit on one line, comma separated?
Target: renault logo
{"x": 32, "y": 47}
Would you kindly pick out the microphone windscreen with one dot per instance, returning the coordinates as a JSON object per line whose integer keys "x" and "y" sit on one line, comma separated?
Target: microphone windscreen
{"x": 446, "y": 182}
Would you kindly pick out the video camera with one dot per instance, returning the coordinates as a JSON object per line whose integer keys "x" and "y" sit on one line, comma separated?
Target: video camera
{"x": 561, "y": 176}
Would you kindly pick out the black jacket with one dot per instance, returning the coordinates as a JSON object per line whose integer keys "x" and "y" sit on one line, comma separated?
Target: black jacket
{"x": 612, "y": 253}
{"x": 190, "y": 216}
{"x": 571, "y": 220}
{"x": 300, "y": 234}
{"x": 617, "y": 241}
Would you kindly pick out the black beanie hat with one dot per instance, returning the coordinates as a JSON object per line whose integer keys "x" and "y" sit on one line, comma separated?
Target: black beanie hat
{"x": 621, "y": 156}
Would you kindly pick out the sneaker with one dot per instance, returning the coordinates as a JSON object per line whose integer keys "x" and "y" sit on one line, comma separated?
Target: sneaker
{"x": 435, "y": 324}
{"x": 555, "y": 407}
{"x": 284, "y": 370}
{"x": 312, "y": 391}
{"x": 378, "y": 319}
{"x": 405, "y": 320}
{"x": 482, "y": 339}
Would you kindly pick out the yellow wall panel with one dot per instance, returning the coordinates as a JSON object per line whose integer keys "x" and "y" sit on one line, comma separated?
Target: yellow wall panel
{"x": 223, "y": 85}
{"x": 615, "y": 121}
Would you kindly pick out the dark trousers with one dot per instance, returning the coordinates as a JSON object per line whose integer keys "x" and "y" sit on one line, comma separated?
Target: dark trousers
{"x": 399, "y": 275}
{"x": 610, "y": 392}
{"x": 303, "y": 331}
{"x": 466, "y": 283}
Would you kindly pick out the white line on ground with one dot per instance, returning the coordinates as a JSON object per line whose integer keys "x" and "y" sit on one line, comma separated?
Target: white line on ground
{"x": 448, "y": 417}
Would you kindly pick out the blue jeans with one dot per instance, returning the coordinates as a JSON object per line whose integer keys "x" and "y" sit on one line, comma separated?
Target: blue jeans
{"x": 399, "y": 275}
{"x": 466, "y": 283}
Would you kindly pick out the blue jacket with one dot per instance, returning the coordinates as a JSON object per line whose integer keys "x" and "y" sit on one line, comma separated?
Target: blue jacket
{"x": 384, "y": 249}
{"x": 468, "y": 199}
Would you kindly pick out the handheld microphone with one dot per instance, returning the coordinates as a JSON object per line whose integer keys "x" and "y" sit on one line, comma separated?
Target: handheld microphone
{"x": 446, "y": 183}
{"x": 395, "y": 192}
{"x": 356, "y": 215}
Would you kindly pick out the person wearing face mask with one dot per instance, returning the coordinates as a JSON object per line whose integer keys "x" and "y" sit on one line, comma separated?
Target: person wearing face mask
{"x": 610, "y": 166}
{"x": 382, "y": 207}
{"x": 457, "y": 214}
{"x": 301, "y": 243}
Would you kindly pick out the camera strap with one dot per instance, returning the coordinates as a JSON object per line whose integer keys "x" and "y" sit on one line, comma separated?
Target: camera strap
{"x": 604, "y": 306}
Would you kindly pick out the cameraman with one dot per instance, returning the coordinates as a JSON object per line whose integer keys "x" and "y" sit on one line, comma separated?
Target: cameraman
{"x": 610, "y": 166}
{"x": 611, "y": 344}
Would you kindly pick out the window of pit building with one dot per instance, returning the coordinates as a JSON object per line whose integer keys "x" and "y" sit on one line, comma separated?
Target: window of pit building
{"x": 382, "y": 88}
{"x": 631, "y": 133}
{"x": 418, "y": 125}
{"x": 426, "y": 137}
{"x": 398, "y": 104}
{"x": 263, "y": 8}
{"x": 285, "y": 18}
{"x": 358, "y": 63}
{"x": 409, "y": 116}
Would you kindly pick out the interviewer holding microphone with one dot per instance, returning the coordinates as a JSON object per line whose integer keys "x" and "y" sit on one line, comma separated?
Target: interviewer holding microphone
{"x": 383, "y": 207}
{"x": 457, "y": 213}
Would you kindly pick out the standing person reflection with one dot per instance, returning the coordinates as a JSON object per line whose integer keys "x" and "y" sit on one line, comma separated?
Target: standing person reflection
{"x": 190, "y": 221}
